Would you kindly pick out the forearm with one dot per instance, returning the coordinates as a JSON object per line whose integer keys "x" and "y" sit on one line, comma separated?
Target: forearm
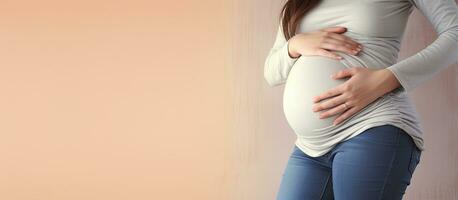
{"x": 441, "y": 53}
{"x": 279, "y": 61}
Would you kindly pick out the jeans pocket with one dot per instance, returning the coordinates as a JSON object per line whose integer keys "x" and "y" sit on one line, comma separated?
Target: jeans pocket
{"x": 414, "y": 159}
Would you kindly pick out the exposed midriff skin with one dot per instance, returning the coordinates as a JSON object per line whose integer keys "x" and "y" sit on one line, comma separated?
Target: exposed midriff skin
{"x": 309, "y": 77}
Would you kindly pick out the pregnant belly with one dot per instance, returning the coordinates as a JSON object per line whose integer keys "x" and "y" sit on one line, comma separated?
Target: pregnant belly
{"x": 309, "y": 77}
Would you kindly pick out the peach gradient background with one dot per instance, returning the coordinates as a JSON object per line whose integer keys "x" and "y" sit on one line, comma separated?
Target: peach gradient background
{"x": 166, "y": 100}
{"x": 114, "y": 100}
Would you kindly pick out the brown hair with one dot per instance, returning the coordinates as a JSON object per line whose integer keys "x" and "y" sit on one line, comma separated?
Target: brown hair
{"x": 291, "y": 14}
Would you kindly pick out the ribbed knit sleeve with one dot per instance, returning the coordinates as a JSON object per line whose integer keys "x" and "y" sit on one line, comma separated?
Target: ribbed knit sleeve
{"x": 278, "y": 62}
{"x": 441, "y": 53}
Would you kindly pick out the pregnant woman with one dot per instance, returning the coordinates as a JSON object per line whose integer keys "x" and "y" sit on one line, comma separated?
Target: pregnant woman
{"x": 358, "y": 135}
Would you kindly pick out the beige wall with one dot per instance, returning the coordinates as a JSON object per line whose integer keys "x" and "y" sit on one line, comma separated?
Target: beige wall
{"x": 166, "y": 100}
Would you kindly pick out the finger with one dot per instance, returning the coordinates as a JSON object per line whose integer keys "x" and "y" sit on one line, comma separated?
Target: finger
{"x": 329, "y": 103}
{"x": 326, "y": 53}
{"x": 333, "y": 44}
{"x": 334, "y": 111}
{"x": 344, "y": 38}
{"x": 330, "y": 93}
{"x": 335, "y": 29}
{"x": 343, "y": 73}
{"x": 339, "y": 45}
{"x": 345, "y": 115}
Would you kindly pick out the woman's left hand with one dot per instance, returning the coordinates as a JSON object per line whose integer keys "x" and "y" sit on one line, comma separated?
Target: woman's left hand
{"x": 364, "y": 86}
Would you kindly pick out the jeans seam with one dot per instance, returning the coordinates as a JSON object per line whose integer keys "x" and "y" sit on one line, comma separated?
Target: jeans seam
{"x": 391, "y": 165}
{"x": 324, "y": 188}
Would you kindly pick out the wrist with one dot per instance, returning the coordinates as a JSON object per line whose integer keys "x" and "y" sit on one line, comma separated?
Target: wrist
{"x": 291, "y": 48}
{"x": 390, "y": 82}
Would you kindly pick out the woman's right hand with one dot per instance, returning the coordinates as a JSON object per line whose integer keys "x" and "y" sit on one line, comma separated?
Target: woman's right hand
{"x": 319, "y": 42}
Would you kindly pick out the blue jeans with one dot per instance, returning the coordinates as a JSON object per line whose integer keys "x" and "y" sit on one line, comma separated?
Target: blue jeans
{"x": 374, "y": 165}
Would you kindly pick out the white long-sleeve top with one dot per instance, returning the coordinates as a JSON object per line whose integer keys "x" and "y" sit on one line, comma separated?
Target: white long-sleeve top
{"x": 381, "y": 30}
